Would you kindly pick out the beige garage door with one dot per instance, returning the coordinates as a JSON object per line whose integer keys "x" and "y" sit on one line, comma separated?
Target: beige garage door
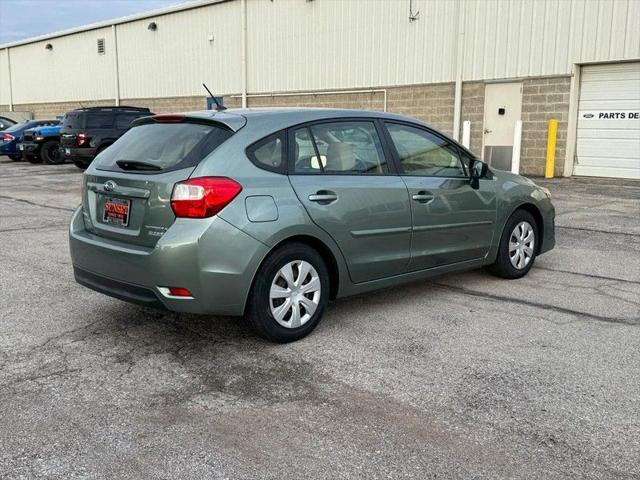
{"x": 608, "y": 141}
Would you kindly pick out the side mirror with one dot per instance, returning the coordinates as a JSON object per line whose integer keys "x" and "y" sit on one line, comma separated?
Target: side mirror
{"x": 477, "y": 170}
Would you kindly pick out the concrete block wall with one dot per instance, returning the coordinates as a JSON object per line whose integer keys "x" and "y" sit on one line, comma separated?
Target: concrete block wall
{"x": 542, "y": 100}
{"x": 473, "y": 110}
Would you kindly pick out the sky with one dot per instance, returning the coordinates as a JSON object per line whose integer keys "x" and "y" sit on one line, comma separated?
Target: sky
{"x": 21, "y": 19}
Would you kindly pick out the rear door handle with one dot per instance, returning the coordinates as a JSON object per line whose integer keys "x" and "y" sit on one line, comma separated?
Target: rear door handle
{"x": 323, "y": 197}
{"x": 423, "y": 197}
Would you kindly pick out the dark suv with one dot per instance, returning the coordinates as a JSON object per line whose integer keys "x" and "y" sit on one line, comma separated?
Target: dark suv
{"x": 87, "y": 131}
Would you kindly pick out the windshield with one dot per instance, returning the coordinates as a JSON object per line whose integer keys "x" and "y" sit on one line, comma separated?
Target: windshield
{"x": 166, "y": 146}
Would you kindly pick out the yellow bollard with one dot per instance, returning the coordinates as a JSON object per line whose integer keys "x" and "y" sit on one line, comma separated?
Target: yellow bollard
{"x": 551, "y": 148}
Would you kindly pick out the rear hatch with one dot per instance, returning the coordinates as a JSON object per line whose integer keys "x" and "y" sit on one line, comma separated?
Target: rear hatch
{"x": 127, "y": 191}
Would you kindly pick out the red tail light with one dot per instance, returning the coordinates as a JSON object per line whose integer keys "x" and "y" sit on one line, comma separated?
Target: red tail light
{"x": 7, "y": 138}
{"x": 203, "y": 197}
{"x": 81, "y": 138}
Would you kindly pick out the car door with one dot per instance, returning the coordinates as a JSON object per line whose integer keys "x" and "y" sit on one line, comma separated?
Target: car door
{"x": 452, "y": 222}
{"x": 341, "y": 175}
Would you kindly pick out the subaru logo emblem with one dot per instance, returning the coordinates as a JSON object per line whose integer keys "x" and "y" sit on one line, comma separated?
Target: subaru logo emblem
{"x": 588, "y": 115}
{"x": 109, "y": 185}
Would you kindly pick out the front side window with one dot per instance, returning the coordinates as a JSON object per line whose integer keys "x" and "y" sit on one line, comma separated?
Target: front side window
{"x": 351, "y": 148}
{"x": 424, "y": 153}
{"x": 268, "y": 153}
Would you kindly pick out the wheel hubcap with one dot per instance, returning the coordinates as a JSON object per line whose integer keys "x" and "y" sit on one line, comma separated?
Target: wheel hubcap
{"x": 295, "y": 294}
{"x": 521, "y": 245}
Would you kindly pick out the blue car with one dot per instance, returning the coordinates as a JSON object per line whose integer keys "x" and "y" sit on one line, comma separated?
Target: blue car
{"x": 42, "y": 143}
{"x": 12, "y": 137}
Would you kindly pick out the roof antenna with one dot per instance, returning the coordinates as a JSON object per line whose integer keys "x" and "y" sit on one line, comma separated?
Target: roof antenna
{"x": 219, "y": 106}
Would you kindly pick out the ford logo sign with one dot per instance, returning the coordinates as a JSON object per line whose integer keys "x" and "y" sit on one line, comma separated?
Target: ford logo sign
{"x": 109, "y": 185}
{"x": 588, "y": 115}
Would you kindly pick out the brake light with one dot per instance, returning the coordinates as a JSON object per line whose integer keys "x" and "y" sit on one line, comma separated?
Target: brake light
{"x": 203, "y": 197}
{"x": 7, "y": 138}
{"x": 81, "y": 138}
{"x": 171, "y": 118}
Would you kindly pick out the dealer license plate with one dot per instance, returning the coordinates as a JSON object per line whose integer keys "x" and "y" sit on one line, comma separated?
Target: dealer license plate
{"x": 116, "y": 211}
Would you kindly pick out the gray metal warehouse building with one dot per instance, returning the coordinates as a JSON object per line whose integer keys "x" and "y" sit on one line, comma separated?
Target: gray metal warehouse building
{"x": 491, "y": 63}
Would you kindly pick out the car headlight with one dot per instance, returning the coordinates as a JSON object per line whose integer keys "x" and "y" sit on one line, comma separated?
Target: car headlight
{"x": 547, "y": 192}
{"x": 39, "y": 139}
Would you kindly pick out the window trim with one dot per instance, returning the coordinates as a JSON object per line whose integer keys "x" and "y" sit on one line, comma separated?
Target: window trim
{"x": 392, "y": 170}
{"x": 396, "y": 156}
{"x": 282, "y": 169}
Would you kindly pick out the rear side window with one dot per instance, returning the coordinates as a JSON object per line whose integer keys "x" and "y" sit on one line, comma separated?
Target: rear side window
{"x": 99, "y": 120}
{"x": 268, "y": 153}
{"x": 155, "y": 147}
{"x": 351, "y": 147}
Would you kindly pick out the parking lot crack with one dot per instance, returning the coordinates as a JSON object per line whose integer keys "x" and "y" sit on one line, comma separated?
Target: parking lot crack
{"x": 42, "y": 205}
{"x": 542, "y": 306}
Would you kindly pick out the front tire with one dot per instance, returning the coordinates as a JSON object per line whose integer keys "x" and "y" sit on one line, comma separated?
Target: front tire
{"x": 51, "y": 154}
{"x": 289, "y": 294}
{"x": 518, "y": 246}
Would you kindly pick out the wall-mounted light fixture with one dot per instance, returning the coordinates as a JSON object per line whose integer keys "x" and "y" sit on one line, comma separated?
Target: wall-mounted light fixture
{"x": 48, "y": 46}
{"x": 153, "y": 26}
{"x": 211, "y": 38}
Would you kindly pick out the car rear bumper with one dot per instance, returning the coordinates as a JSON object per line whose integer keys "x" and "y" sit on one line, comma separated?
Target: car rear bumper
{"x": 85, "y": 155}
{"x": 30, "y": 148}
{"x": 117, "y": 289}
{"x": 211, "y": 258}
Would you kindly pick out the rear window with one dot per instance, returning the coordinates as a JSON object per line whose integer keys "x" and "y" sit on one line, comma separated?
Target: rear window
{"x": 18, "y": 126}
{"x": 155, "y": 147}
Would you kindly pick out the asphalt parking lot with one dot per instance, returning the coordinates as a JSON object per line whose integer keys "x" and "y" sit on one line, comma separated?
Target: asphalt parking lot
{"x": 463, "y": 376}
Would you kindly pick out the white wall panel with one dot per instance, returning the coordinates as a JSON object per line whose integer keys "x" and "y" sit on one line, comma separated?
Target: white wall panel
{"x": 73, "y": 70}
{"x": 175, "y": 59}
{"x": 4, "y": 78}
{"x": 324, "y": 44}
{"x": 327, "y": 44}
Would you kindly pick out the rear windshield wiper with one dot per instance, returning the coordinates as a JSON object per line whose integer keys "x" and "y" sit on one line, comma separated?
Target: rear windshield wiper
{"x": 135, "y": 165}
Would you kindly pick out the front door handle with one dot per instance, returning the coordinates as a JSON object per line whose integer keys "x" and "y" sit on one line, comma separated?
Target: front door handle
{"x": 323, "y": 197}
{"x": 423, "y": 197}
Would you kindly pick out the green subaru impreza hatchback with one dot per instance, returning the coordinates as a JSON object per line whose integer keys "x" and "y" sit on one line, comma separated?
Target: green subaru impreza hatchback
{"x": 272, "y": 213}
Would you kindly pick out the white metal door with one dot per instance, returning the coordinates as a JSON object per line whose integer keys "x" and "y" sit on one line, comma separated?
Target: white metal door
{"x": 502, "y": 108}
{"x": 608, "y": 139}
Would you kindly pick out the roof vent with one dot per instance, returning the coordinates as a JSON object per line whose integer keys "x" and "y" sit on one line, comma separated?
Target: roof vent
{"x": 48, "y": 46}
{"x": 101, "y": 46}
{"x": 153, "y": 26}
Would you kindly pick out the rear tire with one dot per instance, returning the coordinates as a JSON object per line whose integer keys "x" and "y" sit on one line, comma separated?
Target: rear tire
{"x": 35, "y": 158}
{"x": 289, "y": 294}
{"x": 51, "y": 154}
{"x": 518, "y": 246}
